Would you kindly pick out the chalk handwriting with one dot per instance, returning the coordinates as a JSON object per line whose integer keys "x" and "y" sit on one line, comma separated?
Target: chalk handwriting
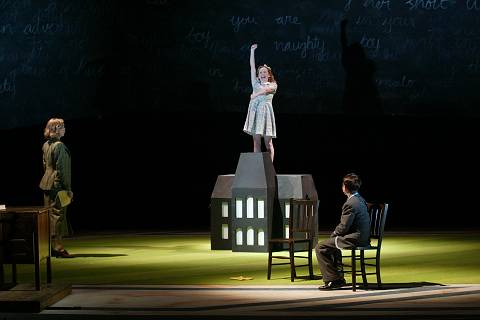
{"x": 15, "y": 4}
{"x": 390, "y": 22}
{"x": 429, "y": 4}
{"x": 89, "y": 70}
{"x": 417, "y": 94}
{"x": 466, "y": 32}
{"x": 237, "y": 22}
{"x": 412, "y": 45}
{"x": 474, "y": 67}
{"x": 468, "y": 46}
{"x": 8, "y": 84}
{"x": 330, "y": 28}
{"x": 50, "y": 20}
{"x": 6, "y": 29}
{"x": 38, "y": 26}
{"x": 442, "y": 82}
{"x": 215, "y": 73}
{"x": 366, "y": 21}
{"x": 325, "y": 55}
{"x": 33, "y": 70}
{"x": 238, "y": 88}
{"x": 390, "y": 55}
{"x": 404, "y": 82}
{"x": 370, "y": 43}
{"x": 201, "y": 37}
{"x": 8, "y": 56}
{"x": 302, "y": 46}
{"x": 285, "y": 20}
{"x": 377, "y": 4}
{"x": 207, "y": 43}
{"x": 328, "y": 18}
{"x": 348, "y": 5}
{"x": 37, "y": 53}
{"x": 473, "y": 5}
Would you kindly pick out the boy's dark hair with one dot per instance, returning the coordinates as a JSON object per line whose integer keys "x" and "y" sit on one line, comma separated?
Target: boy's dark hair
{"x": 352, "y": 182}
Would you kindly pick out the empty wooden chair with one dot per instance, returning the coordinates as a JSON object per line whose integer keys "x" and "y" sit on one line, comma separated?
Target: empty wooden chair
{"x": 299, "y": 239}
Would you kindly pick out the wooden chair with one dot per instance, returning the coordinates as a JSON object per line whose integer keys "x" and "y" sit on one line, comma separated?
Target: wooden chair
{"x": 378, "y": 215}
{"x": 301, "y": 234}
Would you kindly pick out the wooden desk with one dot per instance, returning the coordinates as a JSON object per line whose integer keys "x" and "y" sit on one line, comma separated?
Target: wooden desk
{"x": 25, "y": 239}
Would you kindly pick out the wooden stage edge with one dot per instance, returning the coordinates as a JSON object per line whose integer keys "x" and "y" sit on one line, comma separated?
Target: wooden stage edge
{"x": 24, "y": 297}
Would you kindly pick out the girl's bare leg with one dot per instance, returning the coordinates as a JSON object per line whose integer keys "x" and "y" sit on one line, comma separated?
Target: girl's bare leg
{"x": 257, "y": 143}
{"x": 269, "y": 145}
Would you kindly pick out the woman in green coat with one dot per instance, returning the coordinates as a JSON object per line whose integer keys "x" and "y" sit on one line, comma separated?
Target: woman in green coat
{"x": 56, "y": 183}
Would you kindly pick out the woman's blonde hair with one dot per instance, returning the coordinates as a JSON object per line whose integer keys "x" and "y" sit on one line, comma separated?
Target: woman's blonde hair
{"x": 52, "y": 129}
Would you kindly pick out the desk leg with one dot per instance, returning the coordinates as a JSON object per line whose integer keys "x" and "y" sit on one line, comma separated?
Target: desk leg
{"x": 14, "y": 273}
{"x": 49, "y": 270}
{"x": 37, "y": 275}
{"x": 36, "y": 257}
{"x": 2, "y": 274}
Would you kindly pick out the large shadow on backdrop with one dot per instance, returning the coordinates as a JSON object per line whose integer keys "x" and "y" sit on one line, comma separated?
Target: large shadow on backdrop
{"x": 360, "y": 93}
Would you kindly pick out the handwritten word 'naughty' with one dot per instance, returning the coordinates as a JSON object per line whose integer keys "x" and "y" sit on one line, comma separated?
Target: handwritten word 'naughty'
{"x": 299, "y": 46}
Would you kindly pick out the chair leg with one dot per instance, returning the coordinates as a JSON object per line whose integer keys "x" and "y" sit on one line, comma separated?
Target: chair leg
{"x": 377, "y": 271}
{"x": 269, "y": 273}
{"x": 362, "y": 266}
{"x": 354, "y": 273}
{"x": 292, "y": 262}
{"x": 310, "y": 263}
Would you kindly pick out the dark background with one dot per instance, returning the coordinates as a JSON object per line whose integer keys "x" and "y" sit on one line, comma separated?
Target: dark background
{"x": 155, "y": 92}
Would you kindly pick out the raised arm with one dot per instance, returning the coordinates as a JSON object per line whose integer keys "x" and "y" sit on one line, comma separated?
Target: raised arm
{"x": 253, "y": 71}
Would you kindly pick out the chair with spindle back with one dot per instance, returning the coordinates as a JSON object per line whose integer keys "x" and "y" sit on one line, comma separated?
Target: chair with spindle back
{"x": 378, "y": 215}
{"x": 300, "y": 237}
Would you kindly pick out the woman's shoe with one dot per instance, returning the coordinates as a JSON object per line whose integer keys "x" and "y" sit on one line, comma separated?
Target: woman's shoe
{"x": 64, "y": 254}
{"x": 61, "y": 254}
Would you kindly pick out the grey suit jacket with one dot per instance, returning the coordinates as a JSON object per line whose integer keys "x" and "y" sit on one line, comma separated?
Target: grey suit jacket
{"x": 354, "y": 226}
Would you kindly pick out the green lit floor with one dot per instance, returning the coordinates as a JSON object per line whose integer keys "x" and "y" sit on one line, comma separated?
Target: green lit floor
{"x": 178, "y": 259}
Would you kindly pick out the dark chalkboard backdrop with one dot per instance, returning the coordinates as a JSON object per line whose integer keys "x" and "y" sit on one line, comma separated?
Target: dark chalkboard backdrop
{"x": 94, "y": 57}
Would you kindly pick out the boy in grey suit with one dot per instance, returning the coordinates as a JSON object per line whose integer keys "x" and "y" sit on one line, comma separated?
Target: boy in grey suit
{"x": 353, "y": 230}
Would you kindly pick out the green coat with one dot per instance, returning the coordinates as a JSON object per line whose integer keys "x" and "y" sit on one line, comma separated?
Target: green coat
{"x": 57, "y": 176}
{"x": 57, "y": 166}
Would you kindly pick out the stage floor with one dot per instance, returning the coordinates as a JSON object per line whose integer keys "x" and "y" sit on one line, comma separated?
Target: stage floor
{"x": 177, "y": 276}
{"x": 419, "y": 301}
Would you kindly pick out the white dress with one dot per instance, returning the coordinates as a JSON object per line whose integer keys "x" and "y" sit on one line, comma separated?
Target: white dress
{"x": 260, "y": 117}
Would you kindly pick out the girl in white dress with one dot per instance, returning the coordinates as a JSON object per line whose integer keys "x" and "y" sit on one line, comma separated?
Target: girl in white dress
{"x": 260, "y": 120}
